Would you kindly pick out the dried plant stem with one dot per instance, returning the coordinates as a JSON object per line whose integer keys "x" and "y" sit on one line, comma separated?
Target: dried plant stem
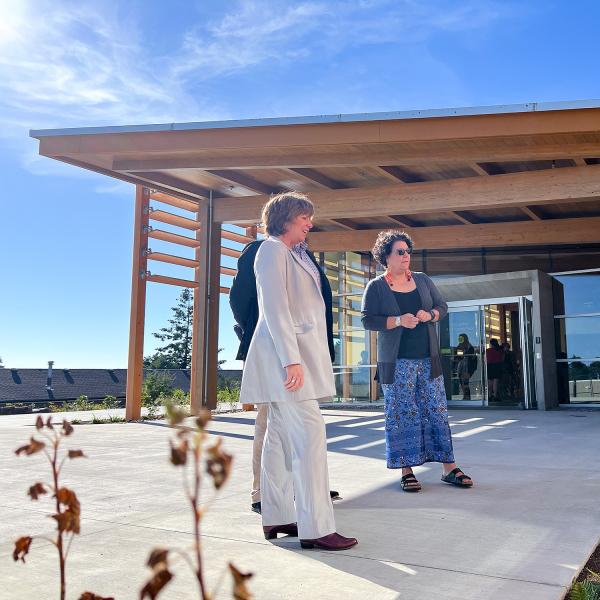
{"x": 59, "y": 534}
{"x": 195, "y": 505}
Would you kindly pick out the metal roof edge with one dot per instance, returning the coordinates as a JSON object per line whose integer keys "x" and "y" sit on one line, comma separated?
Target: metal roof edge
{"x": 321, "y": 119}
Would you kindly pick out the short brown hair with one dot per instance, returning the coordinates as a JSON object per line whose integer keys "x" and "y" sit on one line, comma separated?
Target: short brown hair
{"x": 283, "y": 208}
{"x": 385, "y": 241}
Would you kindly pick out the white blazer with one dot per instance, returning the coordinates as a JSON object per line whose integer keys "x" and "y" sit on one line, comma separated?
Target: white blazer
{"x": 291, "y": 329}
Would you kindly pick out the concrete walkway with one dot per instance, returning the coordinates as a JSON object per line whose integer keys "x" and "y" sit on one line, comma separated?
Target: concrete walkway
{"x": 523, "y": 532}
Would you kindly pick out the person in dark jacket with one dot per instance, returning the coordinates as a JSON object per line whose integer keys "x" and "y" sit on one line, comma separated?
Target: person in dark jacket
{"x": 244, "y": 306}
{"x": 402, "y": 307}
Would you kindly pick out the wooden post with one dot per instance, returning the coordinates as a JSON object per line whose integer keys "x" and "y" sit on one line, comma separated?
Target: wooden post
{"x": 212, "y": 325}
{"x": 135, "y": 364}
{"x": 198, "y": 367}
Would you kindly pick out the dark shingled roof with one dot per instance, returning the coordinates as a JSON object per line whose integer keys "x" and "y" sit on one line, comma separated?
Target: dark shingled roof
{"x": 30, "y": 385}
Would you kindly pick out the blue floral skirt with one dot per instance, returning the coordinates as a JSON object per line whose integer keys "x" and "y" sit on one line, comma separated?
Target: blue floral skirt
{"x": 416, "y": 416}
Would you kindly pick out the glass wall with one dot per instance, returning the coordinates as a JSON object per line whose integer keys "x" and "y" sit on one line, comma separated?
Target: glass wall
{"x": 576, "y": 306}
{"x": 577, "y": 331}
{"x": 354, "y": 367}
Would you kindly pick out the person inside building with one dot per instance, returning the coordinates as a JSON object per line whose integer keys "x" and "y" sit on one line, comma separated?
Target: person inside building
{"x": 466, "y": 364}
{"x": 402, "y": 307}
{"x": 244, "y": 306}
{"x": 288, "y": 366}
{"x": 494, "y": 358}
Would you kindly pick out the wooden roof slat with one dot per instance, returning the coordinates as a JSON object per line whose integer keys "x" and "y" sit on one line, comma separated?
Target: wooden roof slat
{"x": 173, "y": 238}
{"x": 173, "y": 201}
{"x": 244, "y": 180}
{"x": 532, "y": 212}
{"x": 319, "y": 179}
{"x": 172, "y": 281}
{"x": 171, "y": 219}
{"x": 172, "y": 259}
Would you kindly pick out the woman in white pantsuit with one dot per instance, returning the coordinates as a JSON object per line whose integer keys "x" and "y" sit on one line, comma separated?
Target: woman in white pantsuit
{"x": 288, "y": 366}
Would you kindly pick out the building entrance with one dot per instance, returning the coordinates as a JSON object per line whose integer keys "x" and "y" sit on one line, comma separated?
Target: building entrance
{"x": 486, "y": 348}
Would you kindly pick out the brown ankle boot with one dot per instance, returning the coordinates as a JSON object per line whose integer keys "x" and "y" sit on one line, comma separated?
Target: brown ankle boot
{"x": 333, "y": 541}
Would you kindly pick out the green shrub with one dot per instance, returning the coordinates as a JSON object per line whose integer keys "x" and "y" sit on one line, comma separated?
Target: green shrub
{"x": 229, "y": 393}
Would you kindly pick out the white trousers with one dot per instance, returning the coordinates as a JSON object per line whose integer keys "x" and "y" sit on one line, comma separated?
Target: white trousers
{"x": 260, "y": 428}
{"x": 294, "y": 464}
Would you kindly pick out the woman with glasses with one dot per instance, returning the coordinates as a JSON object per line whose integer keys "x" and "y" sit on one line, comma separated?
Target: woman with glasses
{"x": 402, "y": 307}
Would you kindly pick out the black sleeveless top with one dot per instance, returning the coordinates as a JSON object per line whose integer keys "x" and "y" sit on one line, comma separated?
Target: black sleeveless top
{"x": 414, "y": 342}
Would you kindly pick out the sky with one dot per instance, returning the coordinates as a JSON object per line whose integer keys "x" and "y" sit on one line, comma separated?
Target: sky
{"x": 66, "y": 234}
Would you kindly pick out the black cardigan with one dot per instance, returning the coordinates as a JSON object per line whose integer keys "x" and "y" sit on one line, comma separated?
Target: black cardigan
{"x": 379, "y": 303}
{"x": 244, "y": 301}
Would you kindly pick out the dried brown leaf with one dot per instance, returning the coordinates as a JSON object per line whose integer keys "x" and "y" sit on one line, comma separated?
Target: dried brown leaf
{"x": 240, "y": 591}
{"x": 69, "y": 519}
{"x": 36, "y": 490}
{"x": 76, "y": 454}
{"x": 179, "y": 453}
{"x": 203, "y": 418}
{"x": 49, "y": 423}
{"x": 67, "y": 428}
{"x": 39, "y": 423}
{"x": 92, "y": 596}
{"x": 33, "y": 447}
{"x": 158, "y": 558}
{"x": 218, "y": 465}
{"x": 22, "y": 548}
{"x": 156, "y": 584}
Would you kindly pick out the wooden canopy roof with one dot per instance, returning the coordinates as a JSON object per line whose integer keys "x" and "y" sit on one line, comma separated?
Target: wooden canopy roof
{"x": 512, "y": 175}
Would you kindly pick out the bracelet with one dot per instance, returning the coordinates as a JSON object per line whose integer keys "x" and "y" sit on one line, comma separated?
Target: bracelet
{"x": 432, "y": 313}
{"x": 398, "y": 321}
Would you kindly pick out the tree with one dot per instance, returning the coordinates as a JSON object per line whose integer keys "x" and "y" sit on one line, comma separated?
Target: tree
{"x": 176, "y": 353}
{"x": 1, "y": 365}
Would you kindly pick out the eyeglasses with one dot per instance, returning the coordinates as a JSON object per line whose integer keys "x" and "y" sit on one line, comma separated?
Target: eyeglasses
{"x": 402, "y": 251}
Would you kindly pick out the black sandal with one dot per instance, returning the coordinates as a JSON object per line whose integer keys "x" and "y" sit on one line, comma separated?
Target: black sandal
{"x": 410, "y": 483}
{"x": 455, "y": 479}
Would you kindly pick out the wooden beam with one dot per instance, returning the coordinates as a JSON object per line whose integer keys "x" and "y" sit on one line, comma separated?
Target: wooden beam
{"x": 236, "y": 237}
{"x": 237, "y": 178}
{"x": 468, "y": 193}
{"x": 172, "y": 259}
{"x": 519, "y": 233}
{"x": 173, "y": 238}
{"x": 187, "y": 283}
{"x": 230, "y": 252}
{"x": 135, "y": 362}
{"x": 228, "y": 271}
{"x": 580, "y": 162}
{"x": 415, "y": 154}
{"x": 531, "y": 212}
{"x": 171, "y": 219}
{"x": 173, "y": 201}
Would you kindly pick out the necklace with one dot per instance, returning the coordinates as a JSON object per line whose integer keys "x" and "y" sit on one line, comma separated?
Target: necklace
{"x": 390, "y": 281}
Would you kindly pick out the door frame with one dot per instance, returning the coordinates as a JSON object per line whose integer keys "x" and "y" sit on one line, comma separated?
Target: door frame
{"x": 481, "y": 302}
